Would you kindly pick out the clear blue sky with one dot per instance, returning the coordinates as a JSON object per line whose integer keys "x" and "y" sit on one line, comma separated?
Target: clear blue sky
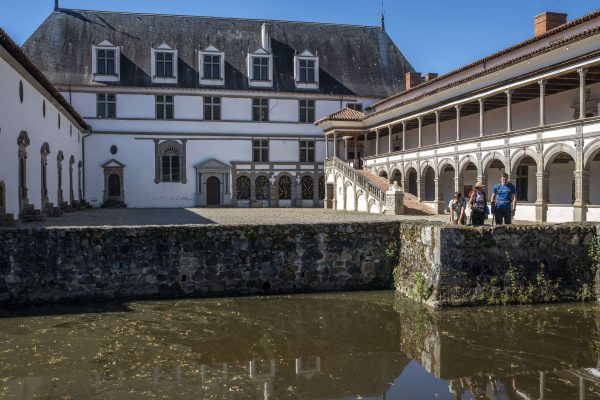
{"x": 434, "y": 35}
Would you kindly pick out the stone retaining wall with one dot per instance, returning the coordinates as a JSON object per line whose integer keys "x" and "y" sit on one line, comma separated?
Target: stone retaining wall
{"x": 431, "y": 262}
{"x": 176, "y": 261}
{"x": 501, "y": 265}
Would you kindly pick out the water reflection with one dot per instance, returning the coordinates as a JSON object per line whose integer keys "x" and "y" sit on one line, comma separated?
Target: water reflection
{"x": 342, "y": 346}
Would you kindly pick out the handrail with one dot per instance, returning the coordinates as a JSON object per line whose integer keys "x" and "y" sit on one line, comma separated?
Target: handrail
{"x": 356, "y": 177}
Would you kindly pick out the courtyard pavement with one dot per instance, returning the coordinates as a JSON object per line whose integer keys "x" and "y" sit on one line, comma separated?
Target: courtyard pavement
{"x": 216, "y": 216}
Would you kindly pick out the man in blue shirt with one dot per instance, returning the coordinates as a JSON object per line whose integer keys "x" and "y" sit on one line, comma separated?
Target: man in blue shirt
{"x": 504, "y": 196}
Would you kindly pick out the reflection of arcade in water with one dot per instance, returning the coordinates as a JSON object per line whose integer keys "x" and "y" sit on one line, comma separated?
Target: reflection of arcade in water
{"x": 342, "y": 346}
{"x": 528, "y": 352}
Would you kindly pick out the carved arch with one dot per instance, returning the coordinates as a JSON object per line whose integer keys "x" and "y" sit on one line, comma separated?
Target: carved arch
{"x": 554, "y": 150}
{"x": 489, "y": 158}
{"x": 590, "y": 152}
{"x": 465, "y": 160}
{"x": 518, "y": 156}
{"x": 443, "y": 163}
{"x": 424, "y": 166}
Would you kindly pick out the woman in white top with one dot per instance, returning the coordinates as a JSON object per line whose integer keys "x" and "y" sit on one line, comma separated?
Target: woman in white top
{"x": 457, "y": 209}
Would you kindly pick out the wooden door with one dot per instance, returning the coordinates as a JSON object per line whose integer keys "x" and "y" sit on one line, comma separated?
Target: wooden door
{"x": 213, "y": 191}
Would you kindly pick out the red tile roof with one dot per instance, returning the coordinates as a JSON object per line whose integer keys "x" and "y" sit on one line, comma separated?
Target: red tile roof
{"x": 345, "y": 114}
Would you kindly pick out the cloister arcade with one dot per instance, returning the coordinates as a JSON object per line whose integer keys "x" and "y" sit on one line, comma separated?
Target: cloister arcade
{"x": 542, "y": 129}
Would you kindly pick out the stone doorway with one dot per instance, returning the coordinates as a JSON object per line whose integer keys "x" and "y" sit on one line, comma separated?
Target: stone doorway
{"x": 213, "y": 191}
{"x": 114, "y": 186}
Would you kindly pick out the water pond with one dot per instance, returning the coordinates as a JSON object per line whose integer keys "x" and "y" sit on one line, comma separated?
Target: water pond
{"x": 372, "y": 345}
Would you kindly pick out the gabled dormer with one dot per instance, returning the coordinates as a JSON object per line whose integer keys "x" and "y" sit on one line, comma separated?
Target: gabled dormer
{"x": 306, "y": 70}
{"x": 106, "y": 62}
{"x": 164, "y": 64}
{"x": 211, "y": 64}
{"x": 260, "y": 62}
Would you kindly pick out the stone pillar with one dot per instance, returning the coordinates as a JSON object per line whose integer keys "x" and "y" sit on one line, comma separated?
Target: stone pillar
{"x": 542, "y": 84}
{"x": 457, "y": 122}
{"x": 390, "y": 128}
{"x": 329, "y": 195}
{"x": 582, "y": 73}
{"x": 335, "y": 144}
{"x": 481, "y": 117}
{"x": 403, "y": 135}
{"x": 582, "y": 184}
{"x": 365, "y": 149}
{"x": 297, "y": 192}
{"x": 420, "y": 131}
{"x": 274, "y": 193}
{"x": 346, "y": 147}
{"x": 508, "y": 110}
{"x": 420, "y": 187}
{"x": 542, "y": 192}
{"x": 458, "y": 183}
{"x": 355, "y": 151}
{"x": 377, "y": 142}
{"x": 437, "y": 127}
{"x": 438, "y": 196}
{"x": 326, "y": 147}
{"x": 394, "y": 200}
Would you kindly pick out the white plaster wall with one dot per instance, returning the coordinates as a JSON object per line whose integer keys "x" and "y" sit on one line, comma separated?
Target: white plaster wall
{"x": 236, "y": 109}
{"x": 189, "y": 107}
{"x": 412, "y": 139}
{"x": 27, "y": 116}
{"x": 525, "y": 212}
{"x": 593, "y": 214}
{"x": 560, "y": 214}
{"x": 561, "y": 178}
{"x": 339, "y": 190}
{"x": 362, "y": 203}
{"x": 138, "y": 157}
{"x": 350, "y": 198}
{"x": 470, "y": 178}
{"x": 495, "y": 121}
{"x": 284, "y": 150}
{"x": 282, "y": 110}
{"x": 525, "y": 114}
{"x": 133, "y": 106}
{"x": 84, "y": 103}
{"x": 469, "y": 126}
{"x": 448, "y": 131}
{"x": 325, "y": 107}
{"x": 428, "y": 135}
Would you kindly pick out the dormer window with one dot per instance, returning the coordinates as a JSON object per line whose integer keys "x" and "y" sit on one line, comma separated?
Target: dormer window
{"x": 105, "y": 62}
{"x": 306, "y": 70}
{"x": 260, "y": 69}
{"x": 212, "y": 66}
{"x": 164, "y": 64}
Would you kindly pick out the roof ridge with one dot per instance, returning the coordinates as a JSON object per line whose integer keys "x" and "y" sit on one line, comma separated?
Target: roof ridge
{"x": 215, "y": 17}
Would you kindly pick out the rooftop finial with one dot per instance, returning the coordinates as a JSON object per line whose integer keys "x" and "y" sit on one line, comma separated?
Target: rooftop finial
{"x": 55, "y": 5}
{"x": 382, "y": 17}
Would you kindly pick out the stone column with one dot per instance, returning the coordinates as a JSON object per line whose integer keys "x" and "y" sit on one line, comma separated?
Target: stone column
{"x": 394, "y": 200}
{"x": 458, "y": 183}
{"x": 481, "y": 117}
{"x": 297, "y": 192}
{"x": 420, "y": 131}
{"x": 365, "y": 149}
{"x": 329, "y": 195}
{"x": 346, "y": 147}
{"x": 403, "y": 135}
{"x": 326, "y": 147}
{"x": 582, "y": 184}
{"x": 437, "y": 127}
{"x": 420, "y": 187}
{"x": 390, "y": 138}
{"x": 355, "y": 151}
{"x": 582, "y": 73}
{"x": 542, "y": 181}
{"x": 508, "y": 110}
{"x": 377, "y": 142}
{"x": 335, "y": 144}
{"x": 457, "y": 122}
{"x": 438, "y": 195}
{"x": 542, "y": 84}
{"x": 274, "y": 193}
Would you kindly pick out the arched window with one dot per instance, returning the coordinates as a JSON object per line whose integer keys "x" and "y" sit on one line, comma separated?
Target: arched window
{"x": 306, "y": 184}
{"x": 170, "y": 161}
{"x": 59, "y": 159}
{"x": 285, "y": 188}
{"x": 242, "y": 188}
{"x": 23, "y": 142}
{"x": 45, "y": 150}
{"x": 322, "y": 187}
{"x": 262, "y": 188}
{"x": 71, "y": 184}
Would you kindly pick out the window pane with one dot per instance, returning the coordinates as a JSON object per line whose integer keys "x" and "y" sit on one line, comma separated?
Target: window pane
{"x": 256, "y": 155}
{"x": 311, "y": 75}
{"x": 169, "y": 69}
{"x": 169, "y": 111}
{"x": 101, "y": 53}
{"x": 265, "y": 155}
{"x": 175, "y": 168}
{"x": 256, "y": 73}
{"x": 169, "y": 99}
{"x": 216, "y": 112}
{"x": 101, "y": 66}
{"x": 160, "y": 68}
{"x": 311, "y": 155}
{"x": 166, "y": 168}
{"x": 207, "y": 71}
{"x": 111, "y": 97}
{"x": 160, "y": 57}
{"x": 169, "y": 56}
{"x": 111, "y": 110}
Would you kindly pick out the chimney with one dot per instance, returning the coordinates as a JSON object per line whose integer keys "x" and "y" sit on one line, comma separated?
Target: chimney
{"x": 546, "y": 21}
{"x": 412, "y": 79}
{"x": 55, "y": 5}
{"x": 265, "y": 32}
{"x": 430, "y": 75}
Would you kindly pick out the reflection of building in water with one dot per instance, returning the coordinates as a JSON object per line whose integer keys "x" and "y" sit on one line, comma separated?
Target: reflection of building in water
{"x": 308, "y": 367}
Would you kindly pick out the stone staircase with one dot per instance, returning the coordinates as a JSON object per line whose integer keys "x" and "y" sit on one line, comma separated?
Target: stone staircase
{"x": 412, "y": 205}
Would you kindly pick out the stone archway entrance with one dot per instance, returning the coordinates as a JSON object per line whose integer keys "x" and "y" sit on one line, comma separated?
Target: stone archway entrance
{"x": 114, "y": 193}
{"x": 213, "y": 191}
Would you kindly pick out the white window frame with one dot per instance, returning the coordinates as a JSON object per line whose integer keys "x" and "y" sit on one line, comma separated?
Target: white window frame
{"x": 306, "y": 56}
{"x": 260, "y": 53}
{"x": 106, "y": 45}
{"x": 164, "y": 48}
{"x": 211, "y": 51}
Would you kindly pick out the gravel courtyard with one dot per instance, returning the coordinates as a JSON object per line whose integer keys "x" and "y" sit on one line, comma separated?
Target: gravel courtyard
{"x": 216, "y": 216}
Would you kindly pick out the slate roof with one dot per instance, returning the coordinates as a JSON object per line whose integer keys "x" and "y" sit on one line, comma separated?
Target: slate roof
{"x": 15, "y": 51}
{"x": 354, "y": 60}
